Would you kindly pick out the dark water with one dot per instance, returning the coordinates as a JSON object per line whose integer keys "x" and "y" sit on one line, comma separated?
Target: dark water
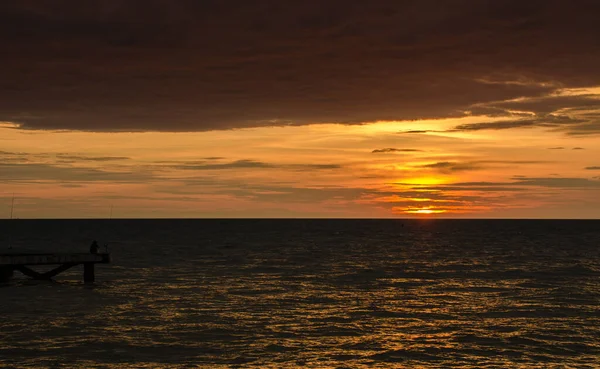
{"x": 309, "y": 293}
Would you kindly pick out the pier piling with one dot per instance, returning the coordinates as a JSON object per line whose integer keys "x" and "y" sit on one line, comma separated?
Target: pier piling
{"x": 88, "y": 272}
{"x": 23, "y": 262}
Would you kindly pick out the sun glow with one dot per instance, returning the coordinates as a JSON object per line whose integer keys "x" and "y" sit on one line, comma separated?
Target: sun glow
{"x": 327, "y": 171}
{"x": 425, "y": 211}
{"x": 425, "y": 181}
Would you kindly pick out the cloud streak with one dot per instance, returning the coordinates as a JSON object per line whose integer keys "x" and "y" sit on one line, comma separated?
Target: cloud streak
{"x": 452, "y": 166}
{"x": 248, "y": 164}
{"x": 45, "y": 172}
{"x": 392, "y": 150}
{"x": 546, "y": 121}
{"x": 91, "y": 158}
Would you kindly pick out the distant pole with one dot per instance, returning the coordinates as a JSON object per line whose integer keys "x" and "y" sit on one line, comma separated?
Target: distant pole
{"x": 106, "y": 243}
{"x": 12, "y": 206}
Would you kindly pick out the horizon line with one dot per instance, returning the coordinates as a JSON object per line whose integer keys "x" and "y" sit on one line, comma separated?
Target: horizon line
{"x": 301, "y": 218}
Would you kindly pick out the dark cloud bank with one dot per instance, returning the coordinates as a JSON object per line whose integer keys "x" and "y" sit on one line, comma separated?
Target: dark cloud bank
{"x": 181, "y": 65}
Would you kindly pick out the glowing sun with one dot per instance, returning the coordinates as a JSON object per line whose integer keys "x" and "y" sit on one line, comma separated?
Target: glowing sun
{"x": 425, "y": 211}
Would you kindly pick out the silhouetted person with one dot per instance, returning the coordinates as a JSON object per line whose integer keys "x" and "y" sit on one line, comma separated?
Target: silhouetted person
{"x": 94, "y": 247}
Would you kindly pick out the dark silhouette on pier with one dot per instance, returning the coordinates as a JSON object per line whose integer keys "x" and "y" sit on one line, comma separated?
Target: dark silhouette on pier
{"x": 94, "y": 247}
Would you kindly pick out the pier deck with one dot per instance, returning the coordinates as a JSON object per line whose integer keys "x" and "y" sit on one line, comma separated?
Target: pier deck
{"x": 22, "y": 262}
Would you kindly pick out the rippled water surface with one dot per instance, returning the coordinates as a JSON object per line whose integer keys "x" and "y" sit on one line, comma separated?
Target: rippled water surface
{"x": 308, "y": 293}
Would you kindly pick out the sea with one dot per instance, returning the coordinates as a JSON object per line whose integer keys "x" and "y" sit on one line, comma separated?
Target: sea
{"x": 307, "y": 293}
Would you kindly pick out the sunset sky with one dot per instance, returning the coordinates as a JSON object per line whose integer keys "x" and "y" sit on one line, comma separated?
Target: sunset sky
{"x": 237, "y": 108}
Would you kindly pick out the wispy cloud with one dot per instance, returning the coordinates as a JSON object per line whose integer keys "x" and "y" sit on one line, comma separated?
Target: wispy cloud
{"x": 545, "y": 121}
{"x": 90, "y": 158}
{"x": 238, "y": 164}
{"x": 248, "y": 164}
{"x": 46, "y": 172}
{"x": 419, "y": 131}
{"x": 573, "y": 111}
{"x": 453, "y": 166}
{"x": 447, "y": 166}
{"x": 391, "y": 150}
{"x": 62, "y": 157}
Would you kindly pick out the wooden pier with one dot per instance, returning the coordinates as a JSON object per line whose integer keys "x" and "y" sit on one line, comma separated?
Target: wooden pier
{"x": 22, "y": 263}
